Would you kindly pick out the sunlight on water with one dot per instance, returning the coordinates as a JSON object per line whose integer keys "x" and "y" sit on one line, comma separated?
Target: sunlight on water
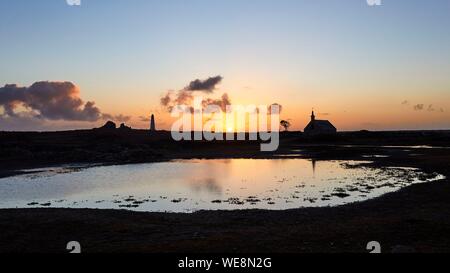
{"x": 191, "y": 185}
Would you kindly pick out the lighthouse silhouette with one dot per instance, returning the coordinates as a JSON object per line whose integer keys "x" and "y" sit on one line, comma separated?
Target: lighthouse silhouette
{"x": 152, "y": 124}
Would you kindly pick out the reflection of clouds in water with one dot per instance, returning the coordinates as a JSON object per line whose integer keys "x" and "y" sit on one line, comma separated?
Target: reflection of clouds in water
{"x": 208, "y": 184}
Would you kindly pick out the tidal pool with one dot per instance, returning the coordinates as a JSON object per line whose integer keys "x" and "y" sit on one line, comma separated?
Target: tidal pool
{"x": 192, "y": 185}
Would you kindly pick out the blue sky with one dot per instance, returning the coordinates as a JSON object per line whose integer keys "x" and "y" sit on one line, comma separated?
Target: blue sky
{"x": 124, "y": 54}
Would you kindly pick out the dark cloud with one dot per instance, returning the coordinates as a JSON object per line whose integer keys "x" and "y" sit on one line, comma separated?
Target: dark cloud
{"x": 165, "y": 101}
{"x": 48, "y": 106}
{"x": 172, "y": 99}
{"x": 185, "y": 96}
{"x": 419, "y": 107}
{"x": 207, "y": 85}
{"x": 48, "y": 100}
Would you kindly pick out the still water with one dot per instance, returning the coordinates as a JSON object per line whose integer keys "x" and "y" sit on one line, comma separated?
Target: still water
{"x": 192, "y": 185}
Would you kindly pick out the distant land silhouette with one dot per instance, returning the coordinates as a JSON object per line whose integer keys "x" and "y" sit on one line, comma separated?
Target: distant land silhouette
{"x": 119, "y": 145}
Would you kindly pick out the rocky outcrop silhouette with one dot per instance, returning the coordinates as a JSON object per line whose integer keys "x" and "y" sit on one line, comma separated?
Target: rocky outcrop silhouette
{"x": 124, "y": 127}
{"x": 109, "y": 125}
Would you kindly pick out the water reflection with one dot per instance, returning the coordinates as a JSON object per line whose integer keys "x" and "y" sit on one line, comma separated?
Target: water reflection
{"x": 190, "y": 185}
{"x": 209, "y": 185}
{"x": 313, "y": 161}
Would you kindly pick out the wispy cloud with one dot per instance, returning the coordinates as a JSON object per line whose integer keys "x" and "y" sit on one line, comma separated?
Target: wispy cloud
{"x": 118, "y": 118}
{"x": 423, "y": 107}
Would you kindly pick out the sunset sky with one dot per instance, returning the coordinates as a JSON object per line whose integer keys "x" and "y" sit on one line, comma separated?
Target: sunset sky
{"x": 361, "y": 67}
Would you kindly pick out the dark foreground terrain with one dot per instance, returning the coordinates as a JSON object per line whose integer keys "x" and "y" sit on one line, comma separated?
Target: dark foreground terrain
{"x": 19, "y": 150}
{"x": 415, "y": 219}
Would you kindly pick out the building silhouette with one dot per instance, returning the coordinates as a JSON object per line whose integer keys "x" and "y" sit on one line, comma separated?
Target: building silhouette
{"x": 319, "y": 127}
{"x": 152, "y": 124}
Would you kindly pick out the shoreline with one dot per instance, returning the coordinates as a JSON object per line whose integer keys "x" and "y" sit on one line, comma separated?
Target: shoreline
{"x": 394, "y": 219}
{"x": 309, "y": 152}
{"x": 413, "y": 219}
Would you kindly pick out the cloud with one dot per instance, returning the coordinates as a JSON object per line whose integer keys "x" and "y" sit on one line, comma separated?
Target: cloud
{"x": 48, "y": 100}
{"x": 165, "y": 101}
{"x": 118, "y": 118}
{"x": 222, "y": 102}
{"x": 22, "y": 122}
{"x": 429, "y": 108}
{"x": 423, "y": 107}
{"x": 419, "y": 107}
{"x": 29, "y": 122}
{"x": 207, "y": 85}
{"x": 185, "y": 96}
{"x": 144, "y": 119}
{"x": 45, "y": 104}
